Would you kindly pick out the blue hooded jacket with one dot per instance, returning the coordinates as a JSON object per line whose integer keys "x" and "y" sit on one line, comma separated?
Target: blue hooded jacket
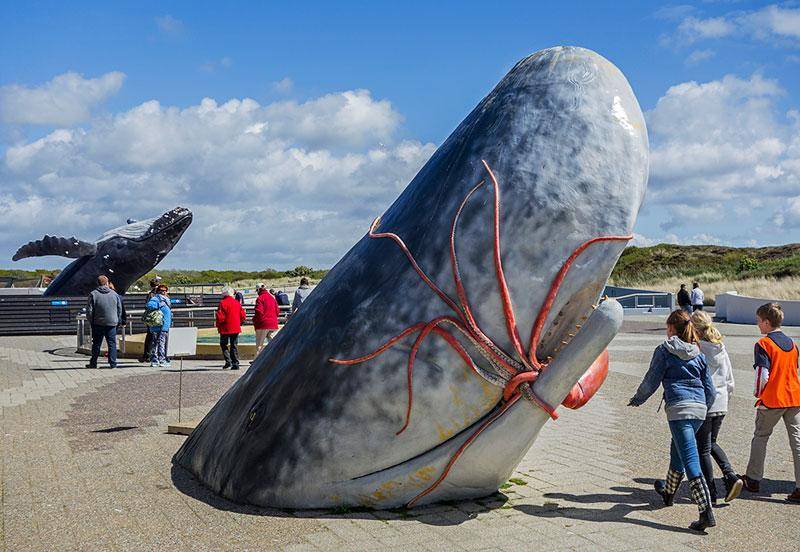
{"x": 162, "y": 303}
{"x": 681, "y": 369}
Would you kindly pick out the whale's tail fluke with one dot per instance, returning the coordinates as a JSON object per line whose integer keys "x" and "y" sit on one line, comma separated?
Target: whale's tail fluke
{"x": 72, "y": 248}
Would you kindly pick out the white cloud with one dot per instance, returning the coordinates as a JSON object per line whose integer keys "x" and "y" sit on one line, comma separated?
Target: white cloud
{"x": 774, "y": 24}
{"x": 788, "y": 216}
{"x": 692, "y": 29}
{"x": 65, "y": 100}
{"x": 214, "y": 65}
{"x": 279, "y": 185}
{"x": 773, "y": 21}
{"x": 169, "y": 25}
{"x": 719, "y": 151}
{"x": 698, "y": 56}
{"x": 283, "y": 86}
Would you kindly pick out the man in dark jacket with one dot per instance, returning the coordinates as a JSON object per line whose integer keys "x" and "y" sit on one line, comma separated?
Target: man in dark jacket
{"x": 148, "y": 339}
{"x": 104, "y": 312}
{"x": 684, "y": 301}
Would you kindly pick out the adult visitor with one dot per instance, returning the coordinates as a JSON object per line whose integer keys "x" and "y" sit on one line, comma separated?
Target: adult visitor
{"x": 697, "y": 297}
{"x": 684, "y": 301}
{"x": 679, "y": 366}
{"x": 229, "y": 319}
{"x": 239, "y": 296}
{"x": 719, "y": 366}
{"x": 778, "y": 392}
{"x": 103, "y": 312}
{"x": 148, "y": 338}
{"x": 300, "y": 294}
{"x": 265, "y": 319}
{"x": 282, "y": 298}
{"x": 158, "y": 319}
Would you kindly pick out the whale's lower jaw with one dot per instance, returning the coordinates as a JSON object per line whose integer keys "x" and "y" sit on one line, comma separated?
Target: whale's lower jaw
{"x": 482, "y": 466}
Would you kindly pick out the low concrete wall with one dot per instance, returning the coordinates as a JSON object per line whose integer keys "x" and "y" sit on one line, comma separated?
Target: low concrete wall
{"x": 741, "y": 309}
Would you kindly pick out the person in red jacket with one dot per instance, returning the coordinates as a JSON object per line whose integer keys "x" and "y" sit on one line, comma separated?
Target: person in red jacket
{"x": 230, "y": 317}
{"x": 265, "y": 319}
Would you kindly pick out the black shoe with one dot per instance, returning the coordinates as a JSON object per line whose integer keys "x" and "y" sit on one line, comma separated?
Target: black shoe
{"x": 226, "y": 366}
{"x": 733, "y": 486}
{"x": 660, "y": 487}
{"x": 706, "y": 520}
{"x": 235, "y": 367}
{"x": 702, "y": 497}
{"x": 751, "y": 485}
{"x": 93, "y": 366}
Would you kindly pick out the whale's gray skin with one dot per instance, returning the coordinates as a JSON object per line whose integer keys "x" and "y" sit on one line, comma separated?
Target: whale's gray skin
{"x": 124, "y": 254}
{"x": 565, "y": 137}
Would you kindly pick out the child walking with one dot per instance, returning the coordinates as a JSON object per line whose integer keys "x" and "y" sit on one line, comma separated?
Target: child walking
{"x": 679, "y": 366}
{"x": 778, "y": 398}
{"x": 719, "y": 366}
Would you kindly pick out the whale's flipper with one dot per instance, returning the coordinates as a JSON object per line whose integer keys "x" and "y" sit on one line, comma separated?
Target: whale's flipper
{"x": 72, "y": 248}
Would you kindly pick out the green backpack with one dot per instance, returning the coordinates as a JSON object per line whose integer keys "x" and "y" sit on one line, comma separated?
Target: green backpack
{"x": 153, "y": 317}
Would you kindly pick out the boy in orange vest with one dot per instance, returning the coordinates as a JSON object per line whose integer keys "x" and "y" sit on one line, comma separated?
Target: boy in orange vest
{"x": 779, "y": 399}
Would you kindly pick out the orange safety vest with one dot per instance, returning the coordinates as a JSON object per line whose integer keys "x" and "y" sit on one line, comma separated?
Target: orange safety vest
{"x": 783, "y": 388}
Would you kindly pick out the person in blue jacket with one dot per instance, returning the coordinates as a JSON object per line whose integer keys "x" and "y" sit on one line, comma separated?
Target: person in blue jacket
{"x": 160, "y": 302}
{"x": 680, "y": 368}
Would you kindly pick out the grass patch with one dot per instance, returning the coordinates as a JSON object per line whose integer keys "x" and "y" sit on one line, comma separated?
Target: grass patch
{"x": 517, "y": 481}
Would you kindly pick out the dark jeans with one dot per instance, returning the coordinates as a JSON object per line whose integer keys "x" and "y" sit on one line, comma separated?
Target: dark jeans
{"x": 708, "y": 447}
{"x": 232, "y": 356}
{"x": 148, "y": 346}
{"x": 110, "y": 335}
{"x": 683, "y": 455}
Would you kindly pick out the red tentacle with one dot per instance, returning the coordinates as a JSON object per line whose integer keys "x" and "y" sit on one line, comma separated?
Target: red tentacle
{"x": 538, "y": 325}
{"x": 486, "y": 423}
{"x": 508, "y": 308}
{"x": 399, "y": 241}
{"x": 381, "y": 349}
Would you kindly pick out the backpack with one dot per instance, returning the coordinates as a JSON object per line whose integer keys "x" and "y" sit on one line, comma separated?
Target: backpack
{"x": 153, "y": 317}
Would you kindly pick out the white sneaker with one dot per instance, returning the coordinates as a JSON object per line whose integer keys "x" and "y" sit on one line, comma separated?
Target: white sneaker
{"x": 154, "y": 365}
{"x": 165, "y": 364}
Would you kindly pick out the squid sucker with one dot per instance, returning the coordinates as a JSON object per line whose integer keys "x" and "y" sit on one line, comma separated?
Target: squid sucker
{"x": 424, "y": 365}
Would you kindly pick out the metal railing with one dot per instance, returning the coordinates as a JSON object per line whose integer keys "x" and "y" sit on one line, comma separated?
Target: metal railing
{"x": 646, "y": 300}
{"x": 202, "y": 317}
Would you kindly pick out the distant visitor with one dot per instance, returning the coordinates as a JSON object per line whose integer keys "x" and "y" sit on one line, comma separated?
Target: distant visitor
{"x": 300, "y": 294}
{"x": 265, "y": 319}
{"x": 158, "y": 319}
{"x": 103, "y": 312}
{"x": 229, "y": 319}
{"x": 697, "y": 297}
{"x": 684, "y": 301}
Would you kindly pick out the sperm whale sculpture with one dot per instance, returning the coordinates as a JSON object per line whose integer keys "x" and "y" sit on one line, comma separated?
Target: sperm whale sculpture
{"x": 124, "y": 254}
{"x": 424, "y": 365}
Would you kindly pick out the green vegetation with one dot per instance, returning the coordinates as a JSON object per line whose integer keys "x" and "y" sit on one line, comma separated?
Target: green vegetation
{"x": 642, "y": 265}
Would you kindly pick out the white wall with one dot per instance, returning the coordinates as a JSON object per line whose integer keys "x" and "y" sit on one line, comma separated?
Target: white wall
{"x": 741, "y": 309}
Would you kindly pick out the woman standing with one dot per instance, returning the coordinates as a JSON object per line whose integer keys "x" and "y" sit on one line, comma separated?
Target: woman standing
{"x": 230, "y": 317}
{"x": 265, "y": 319}
{"x": 719, "y": 366}
{"x": 679, "y": 366}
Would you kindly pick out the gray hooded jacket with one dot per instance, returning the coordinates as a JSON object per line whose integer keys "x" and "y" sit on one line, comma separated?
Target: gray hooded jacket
{"x": 104, "y": 307}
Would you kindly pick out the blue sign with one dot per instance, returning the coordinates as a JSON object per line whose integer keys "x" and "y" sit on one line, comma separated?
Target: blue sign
{"x": 59, "y": 303}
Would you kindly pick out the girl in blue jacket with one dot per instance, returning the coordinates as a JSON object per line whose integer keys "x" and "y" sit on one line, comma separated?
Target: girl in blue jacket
{"x": 680, "y": 368}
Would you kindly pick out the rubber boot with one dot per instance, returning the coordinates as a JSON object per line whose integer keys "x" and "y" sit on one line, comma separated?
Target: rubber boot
{"x": 668, "y": 488}
{"x": 733, "y": 486}
{"x": 702, "y": 497}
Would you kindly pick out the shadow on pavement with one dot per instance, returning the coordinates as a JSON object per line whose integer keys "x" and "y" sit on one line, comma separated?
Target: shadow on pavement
{"x": 186, "y": 483}
{"x": 625, "y": 500}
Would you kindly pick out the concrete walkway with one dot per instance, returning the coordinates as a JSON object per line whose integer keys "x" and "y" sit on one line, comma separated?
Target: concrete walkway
{"x": 86, "y": 465}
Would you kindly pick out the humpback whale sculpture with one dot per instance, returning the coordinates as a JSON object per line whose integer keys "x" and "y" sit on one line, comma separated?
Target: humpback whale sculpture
{"x": 424, "y": 365}
{"x": 124, "y": 254}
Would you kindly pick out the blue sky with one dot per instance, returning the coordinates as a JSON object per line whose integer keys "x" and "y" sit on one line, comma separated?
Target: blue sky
{"x": 719, "y": 83}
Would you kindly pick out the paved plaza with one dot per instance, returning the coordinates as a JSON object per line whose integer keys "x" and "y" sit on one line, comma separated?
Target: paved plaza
{"x": 86, "y": 465}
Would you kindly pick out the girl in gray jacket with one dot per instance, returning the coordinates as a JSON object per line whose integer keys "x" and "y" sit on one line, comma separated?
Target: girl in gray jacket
{"x": 719, "y": 366}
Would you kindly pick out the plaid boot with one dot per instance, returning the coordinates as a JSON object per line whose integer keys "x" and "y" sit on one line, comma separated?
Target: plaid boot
{"x": 702, "y": 497}
{"x": 668, "y": 488}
